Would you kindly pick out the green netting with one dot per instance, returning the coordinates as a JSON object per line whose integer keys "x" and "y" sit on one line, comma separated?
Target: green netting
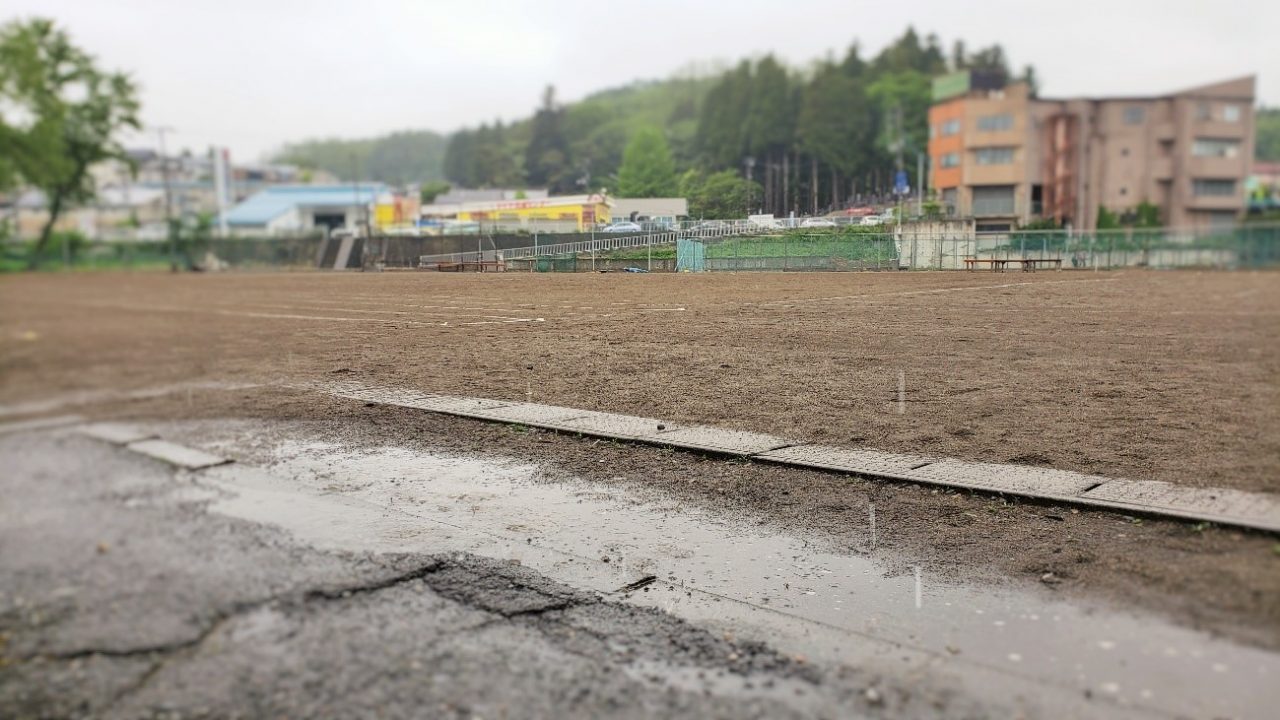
{"x": 556, "y": 263}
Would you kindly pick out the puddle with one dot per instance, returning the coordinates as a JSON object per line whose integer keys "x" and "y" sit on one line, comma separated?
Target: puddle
{"x": 801, "y": 598}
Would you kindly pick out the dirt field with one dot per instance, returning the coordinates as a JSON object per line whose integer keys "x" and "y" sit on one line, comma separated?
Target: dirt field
{"x": 1171, "y": 376}
{"x": 1146, "y": 375}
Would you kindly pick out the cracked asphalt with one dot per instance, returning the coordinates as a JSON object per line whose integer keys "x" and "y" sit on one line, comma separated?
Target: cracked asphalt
{"x": 121, "y": 597}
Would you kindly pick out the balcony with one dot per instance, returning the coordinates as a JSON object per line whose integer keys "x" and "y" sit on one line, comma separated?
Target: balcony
{"x": 1216, "y": 167}
{"x": 1218, "y": 129}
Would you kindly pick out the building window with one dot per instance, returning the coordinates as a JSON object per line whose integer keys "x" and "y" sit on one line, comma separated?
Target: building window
{"x": 995, "y": 123}
{"x": 1215, "y": 147}
{"x": 1203, "y": 111}
{"x": 949, "y": 160}
{"x": 1124, "y": 191}
{"x": 950, "y": 127}
{"x": 1213, "y": 188}
{"x": 1231, "y": 113}
{"x": 949, "y": 197}
{"x": 993, "y": 156}
{"x": 991, "y": 200}
{"x": 1135, "y": 115}
{"x": 1124, "y": 152}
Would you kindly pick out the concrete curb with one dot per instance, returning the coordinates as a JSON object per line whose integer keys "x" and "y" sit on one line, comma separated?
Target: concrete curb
{"x": 1224, "y": 506}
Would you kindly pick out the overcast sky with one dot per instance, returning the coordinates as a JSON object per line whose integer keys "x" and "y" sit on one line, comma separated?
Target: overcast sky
{"x": 253, "y": 74}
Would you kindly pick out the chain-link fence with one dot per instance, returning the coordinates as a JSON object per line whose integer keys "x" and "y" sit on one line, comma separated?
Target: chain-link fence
{"x": 71, "y": 252}
{"x": 905, "y": 248}
{"x": 724, "y": 247}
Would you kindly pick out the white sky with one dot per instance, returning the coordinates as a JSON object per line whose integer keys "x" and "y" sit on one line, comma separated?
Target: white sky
{"x": 253, "y": 74}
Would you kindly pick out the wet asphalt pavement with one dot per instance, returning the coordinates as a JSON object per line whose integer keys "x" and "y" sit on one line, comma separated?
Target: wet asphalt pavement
{"x": 121, "y": 596}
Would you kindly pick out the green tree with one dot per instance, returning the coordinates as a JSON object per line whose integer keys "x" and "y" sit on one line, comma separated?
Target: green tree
{"x": 1107, "y": 220}
{"x": 400, "y": 157}
{"x": 459, "y": 162}
{"x": 1267, "y": 134}
{"x": 718, "y": 196}
{"x": 547, "y": 160}
{"x": 61, "y": 115}
{"x": 491, "y": 162}
{"x": 647, "y": 168}
{"x": 432, "y": 190}
{"x": 909, "y": 93}
{"x": 720, "y": 136}
{"x": 834, "y": 126}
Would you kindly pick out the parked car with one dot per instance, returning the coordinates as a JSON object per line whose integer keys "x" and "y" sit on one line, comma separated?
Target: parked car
{"x": 817, "y": 223}
{"x": 623, "y": 227}
{"x": 872, "y": 220}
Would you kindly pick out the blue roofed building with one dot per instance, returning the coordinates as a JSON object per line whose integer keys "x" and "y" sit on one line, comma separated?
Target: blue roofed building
{"x": 292, "y": 209}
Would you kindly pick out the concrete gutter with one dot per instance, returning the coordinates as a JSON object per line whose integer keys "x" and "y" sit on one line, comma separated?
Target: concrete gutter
{"x": 1257, "y": 511}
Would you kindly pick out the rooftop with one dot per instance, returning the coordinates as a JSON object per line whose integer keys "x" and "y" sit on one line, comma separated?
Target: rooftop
{"x": 270, "y": 203}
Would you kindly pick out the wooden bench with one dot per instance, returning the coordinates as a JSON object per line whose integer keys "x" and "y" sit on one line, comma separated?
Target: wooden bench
{"x": 469, "y": 266}
{"x": 1000, "y": 264}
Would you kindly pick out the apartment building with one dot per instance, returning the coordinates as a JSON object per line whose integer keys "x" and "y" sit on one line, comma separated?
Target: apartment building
{"x": 1006, "y": 158}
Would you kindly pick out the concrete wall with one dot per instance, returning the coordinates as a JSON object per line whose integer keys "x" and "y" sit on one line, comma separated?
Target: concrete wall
{"x": 935, "y": 244}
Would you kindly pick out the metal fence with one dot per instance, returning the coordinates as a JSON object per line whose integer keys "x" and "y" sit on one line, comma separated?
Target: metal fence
{"x": 905, "y": 249}
{"x": 74, "y": 253}
{"x": 601, "y": 243}
{"x": 724, "y": 246}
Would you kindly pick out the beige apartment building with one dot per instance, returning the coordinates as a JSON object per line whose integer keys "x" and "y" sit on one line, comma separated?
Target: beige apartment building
{"x": 1005, "y": 158}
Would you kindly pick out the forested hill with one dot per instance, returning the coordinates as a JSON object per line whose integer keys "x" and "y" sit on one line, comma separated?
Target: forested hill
{"x": 598, "y": 126}
{"x": 401, "y": 157}
{"x": 811, "y": 137}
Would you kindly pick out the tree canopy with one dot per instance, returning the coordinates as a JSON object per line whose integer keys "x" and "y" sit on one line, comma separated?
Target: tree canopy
{"x": 59, "y": 115}
{"x": 400, "y": 157}
{"x": 812, "y": 137}
{"x": 647, "y": 168}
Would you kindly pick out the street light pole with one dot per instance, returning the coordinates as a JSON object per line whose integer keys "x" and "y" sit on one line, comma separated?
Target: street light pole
{"x": 168, "y": 200}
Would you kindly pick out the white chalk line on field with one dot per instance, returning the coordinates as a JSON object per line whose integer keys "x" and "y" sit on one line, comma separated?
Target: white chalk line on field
{"x": 934, "y": 291}
{"x": 323, "y": 318}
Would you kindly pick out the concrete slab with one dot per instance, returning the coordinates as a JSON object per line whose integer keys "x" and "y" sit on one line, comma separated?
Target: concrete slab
{"x": 116, "y": 433}
{"x": 734, "y": 442}
{"x": 532, "y": 414}
{"x": 612, "y": 425}
{"x": 387, "y": 396}
{"x": 861, "y": 462}
{"x": 464, "y": 406}
{"x": 1215, "y": 504}
{"x": 39, "y": 423}
{"x": 174, "y": 454}
{"x": 1014, "y": 479}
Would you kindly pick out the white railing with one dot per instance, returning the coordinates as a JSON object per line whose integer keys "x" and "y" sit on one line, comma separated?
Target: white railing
{"x": 605, "y": 242}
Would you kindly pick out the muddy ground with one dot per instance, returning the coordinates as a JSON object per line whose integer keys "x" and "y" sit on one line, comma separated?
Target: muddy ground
{"x": 1168, "y": 376}
{"x": 1201, "y": 576}
{"x": 137, "y": 603}
{"x": 1150, "y": 375}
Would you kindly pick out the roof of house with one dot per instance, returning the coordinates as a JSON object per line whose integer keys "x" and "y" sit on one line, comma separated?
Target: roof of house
{"x": 270, "y": 203}
{"x": 458, "y": 196}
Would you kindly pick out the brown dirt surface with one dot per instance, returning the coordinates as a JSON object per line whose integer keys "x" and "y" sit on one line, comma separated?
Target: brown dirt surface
{"x": 1169, "y": 376}
{"x": 1148, "y": 375}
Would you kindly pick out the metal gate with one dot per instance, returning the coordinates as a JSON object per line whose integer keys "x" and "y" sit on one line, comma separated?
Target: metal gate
{"x": 691, "y": 255}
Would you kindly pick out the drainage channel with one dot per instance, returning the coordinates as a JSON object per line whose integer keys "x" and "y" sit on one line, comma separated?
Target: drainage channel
{"x": 1256, "y": 511}
{"x": 1026, "y": 651}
